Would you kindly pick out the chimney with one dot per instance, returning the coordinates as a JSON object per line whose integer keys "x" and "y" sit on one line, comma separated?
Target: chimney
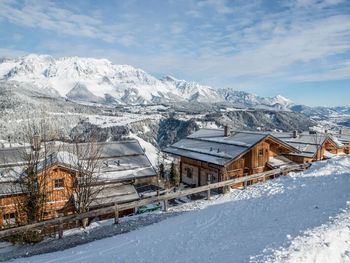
{"x": 295, "y": 134}
{"x": 226, "y": 131}
{"x": 36, "y": 144}
{"x": 340, "y": 131}
{"x": 325, "y": 131}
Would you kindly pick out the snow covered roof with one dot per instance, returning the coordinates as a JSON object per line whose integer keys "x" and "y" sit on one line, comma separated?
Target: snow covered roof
{"x": 344, "y": 138}
{"x": 307, "y": 142}
{"x": 120, "y": 161}
{"x": 10, "y": 188}
{"x": 115, "y": 194}
{"x": 279, "y": 162}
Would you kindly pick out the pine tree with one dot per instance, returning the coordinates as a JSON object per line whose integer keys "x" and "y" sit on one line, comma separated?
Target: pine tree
{"x": 173, "y": 174}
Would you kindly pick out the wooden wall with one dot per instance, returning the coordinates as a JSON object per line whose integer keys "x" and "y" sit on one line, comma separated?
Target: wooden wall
{"x": 333, "y": 148}
{"x": 12, "y": 204}
{"x": 200, "y": 172}
{"x": 57, "y": 198}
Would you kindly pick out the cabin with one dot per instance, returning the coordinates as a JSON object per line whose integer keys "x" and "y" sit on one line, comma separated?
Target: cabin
{"x": 312, "y": 146}
{"x": 343, "y": 136}
{"x": 214, "y": 155}
{"x": 123, "y": 166}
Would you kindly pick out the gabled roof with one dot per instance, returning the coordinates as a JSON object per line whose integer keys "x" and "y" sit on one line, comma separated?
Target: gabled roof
{"x": 17, "y": 155}
{"x": 210, "y": 145}
{"x": 307, "y": 143}
{"x": 114, "y": 194}
{"x": 343, "y": 138}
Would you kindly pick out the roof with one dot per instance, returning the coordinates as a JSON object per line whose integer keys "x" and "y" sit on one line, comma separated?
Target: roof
{"x": 18, "y": 155}
{"x": 307, "y": 143}
{"x": 210, "y": 145}
{"x": 344, "y": 138}
{"x": 114, "y": 194}
{"x": 279, "y": 162}
{"x": 10, "y": 188}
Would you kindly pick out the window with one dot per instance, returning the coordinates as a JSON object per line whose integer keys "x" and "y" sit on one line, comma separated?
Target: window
{"x": 189, "y": 172}
{"x": 9, "y": 219}
{"x": 58, "y": 183}
{"x": 261, "y": 152}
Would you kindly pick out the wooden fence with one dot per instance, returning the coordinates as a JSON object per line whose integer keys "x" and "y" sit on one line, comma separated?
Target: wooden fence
{"x": 115, "y": 208}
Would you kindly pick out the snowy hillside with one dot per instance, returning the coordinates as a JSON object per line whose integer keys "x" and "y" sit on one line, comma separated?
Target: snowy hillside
{"x": 99, "y": 80}
{"x": 297, "y": 218}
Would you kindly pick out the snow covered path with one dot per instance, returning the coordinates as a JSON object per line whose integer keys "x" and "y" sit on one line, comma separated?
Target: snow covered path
{"x": 249, "y": 225}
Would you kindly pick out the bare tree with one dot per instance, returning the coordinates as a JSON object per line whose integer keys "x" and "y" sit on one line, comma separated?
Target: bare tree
{"x": 84, "y": 159}
{"x": 27, "y": 171}
{"x": 33, "y": 179}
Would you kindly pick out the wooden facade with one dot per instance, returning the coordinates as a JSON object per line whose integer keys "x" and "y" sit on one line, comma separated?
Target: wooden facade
{"x": 56, "y": 185}
{"x": 122, "y": 166}
{"x": 327, "y": 146}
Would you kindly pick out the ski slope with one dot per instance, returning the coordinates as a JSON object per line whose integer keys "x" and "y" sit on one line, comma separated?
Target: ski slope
{"x": 296, "y": 218}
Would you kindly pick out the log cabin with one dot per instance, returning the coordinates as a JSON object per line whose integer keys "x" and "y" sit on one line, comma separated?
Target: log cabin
{"x": 213, "y": 155}
{"x": 123, "y": 167}
{"x": 343, "y": 135}
{"x": 313, "y": 146}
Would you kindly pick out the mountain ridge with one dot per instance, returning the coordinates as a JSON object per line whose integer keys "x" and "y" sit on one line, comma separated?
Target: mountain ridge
{"x": 99, "y": 80}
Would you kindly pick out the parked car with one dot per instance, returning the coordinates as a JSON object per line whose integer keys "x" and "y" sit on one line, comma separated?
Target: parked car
{"x": 148, "y": 208}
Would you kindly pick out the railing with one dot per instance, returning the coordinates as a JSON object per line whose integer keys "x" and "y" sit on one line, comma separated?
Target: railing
{"x": 115, "y": 208}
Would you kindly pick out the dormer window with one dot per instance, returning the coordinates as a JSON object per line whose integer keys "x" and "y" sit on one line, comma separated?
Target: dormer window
{"x": 261, "y": 152}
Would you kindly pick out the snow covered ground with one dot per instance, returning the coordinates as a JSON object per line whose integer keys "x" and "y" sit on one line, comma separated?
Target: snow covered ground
{"x": 304, "y": 217}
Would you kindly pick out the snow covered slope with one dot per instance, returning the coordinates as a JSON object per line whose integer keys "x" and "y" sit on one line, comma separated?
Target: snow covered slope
{"x": 99, "y": 80}
{"x": 243, "y": 226}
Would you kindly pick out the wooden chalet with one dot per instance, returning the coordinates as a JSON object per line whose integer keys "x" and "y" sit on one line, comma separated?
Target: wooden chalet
{"x": 312, "y": 146}
{"x": 213, "y": 155}
{"x": 124, "y": 166}
{"x": 343, "y": 136}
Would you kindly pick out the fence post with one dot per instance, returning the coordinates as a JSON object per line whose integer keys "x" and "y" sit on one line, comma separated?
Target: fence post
{"x": 60, "y": 229}
{"x": 116, "y": 214}
{"x": 165, "y": 205}
{"x": 208, "y": 192}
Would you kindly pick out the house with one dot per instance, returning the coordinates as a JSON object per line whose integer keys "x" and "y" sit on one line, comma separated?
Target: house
{"x": 343, "y": 136}
{"x": 312, "y": 146}
{"x": 213, "y": 155}
{"x": 122, "y": 166}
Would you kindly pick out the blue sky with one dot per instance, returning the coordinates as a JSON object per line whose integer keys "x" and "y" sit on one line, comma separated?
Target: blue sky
{"x": 297, "y": 48}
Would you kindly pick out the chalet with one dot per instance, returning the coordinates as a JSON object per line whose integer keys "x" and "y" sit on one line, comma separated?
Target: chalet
{"x": 312, "y": 146}
{"x": 124, "y": 166}
{"x": 213, "y": 155}
{"x": 343, "y": 136}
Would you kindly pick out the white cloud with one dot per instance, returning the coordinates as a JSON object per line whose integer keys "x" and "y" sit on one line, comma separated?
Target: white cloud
{"x": 341, "y": 72}
{"x": 47, "y": 15}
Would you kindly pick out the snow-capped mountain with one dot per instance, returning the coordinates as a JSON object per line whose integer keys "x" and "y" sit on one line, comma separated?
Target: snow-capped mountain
{"x": 101, "y": 81}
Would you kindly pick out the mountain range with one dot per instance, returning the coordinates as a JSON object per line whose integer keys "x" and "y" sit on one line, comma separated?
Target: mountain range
{"x": 101, "y": 81}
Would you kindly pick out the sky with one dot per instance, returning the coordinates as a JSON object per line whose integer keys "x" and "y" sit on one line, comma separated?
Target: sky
{"x": 298, "y": 48}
